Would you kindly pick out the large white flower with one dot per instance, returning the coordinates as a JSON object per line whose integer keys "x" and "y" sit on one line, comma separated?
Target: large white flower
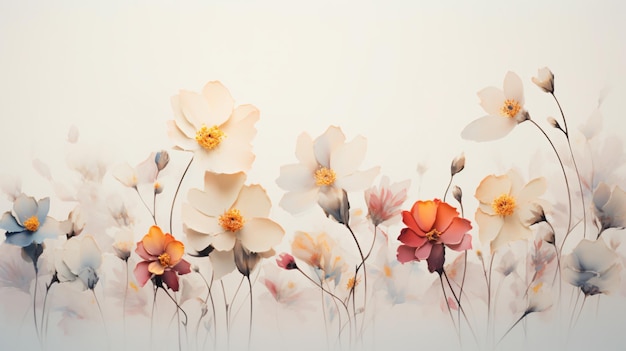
{"x": 609, "y": 207}
{"x": 592, "y": 267}
{"x": 207, "y": 124}
{"x": 226, "y": 211}
{"x": 505, "y": 108}
{"x": 79, "y": 261}
{"x": 328, "y": 166}
{"x": 506, "y": 206}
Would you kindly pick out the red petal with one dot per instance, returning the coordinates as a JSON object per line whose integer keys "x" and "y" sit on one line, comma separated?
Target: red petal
{"x": 171, "y": 279}
{"x": 454, "y": 234}
{"x": 141, "y": 273}
{"x": 410, "y": 238}
{"x": 406, "y": 254}
{"x": 182, "y": 267}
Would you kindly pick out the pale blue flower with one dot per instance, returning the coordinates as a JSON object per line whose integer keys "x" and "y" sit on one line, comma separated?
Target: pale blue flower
{"x": 29, "y": 222}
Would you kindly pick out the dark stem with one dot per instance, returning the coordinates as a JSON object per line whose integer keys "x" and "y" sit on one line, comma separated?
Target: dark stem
{"x": 447, "y": 188}
{"x": 145, "y": 205}
{"x": 177, "y": 189}
{"x": 513, "y": 326}
{"x": 250, "y": 326}
{"x": 227, "y": 314}
{"x": 35, "y": 305}
{"x": 445, "y": 297}
{"x": 178, "y": 308}
{"x": 458, "y": 301}
{"x": 364, "y": 276}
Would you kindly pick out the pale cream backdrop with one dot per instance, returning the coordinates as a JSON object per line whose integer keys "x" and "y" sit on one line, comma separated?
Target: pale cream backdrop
{"x": 404, "y": 74}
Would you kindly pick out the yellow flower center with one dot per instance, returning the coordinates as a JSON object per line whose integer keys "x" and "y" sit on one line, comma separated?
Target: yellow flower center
{"x": 324, "y": 176}
{"x": 32, "y": 224}
{"x": 433, "y": 235}
{"x": 352, "y": 283}
{"x": 231, "y": 220}
{"x": 164, "y": 259}
{"x": 388, "y": 272}
{"x": 503, "y": 205}
{"x": 510, "y": 108}
{"x": 209, "y": 138}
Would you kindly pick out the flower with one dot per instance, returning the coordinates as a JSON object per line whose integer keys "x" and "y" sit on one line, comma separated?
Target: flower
{"x": 226, "y": 211}
{"x": 592, "y": 267}
{"x": 162, "y": 258}
{"x": 458, "y": 164}
{"x": 78, "y": 261}
{"x": 123, "y": 243}
{"x": 384, "y": 203}
{"x": 545, "y": 80}
{"x": 207, "y": 124}
{"x": 144, "y": 172}
{"x": 505, "y": 110}
{"x": 431, "y": 225}
{"x": 506, "y": 206}
{"x": 29, "y": 222}
{"x": 320, "y": 252}
{"x": 609, "y": 207}
{"x": 327, "y": 165}
{"x": 15, "y": 272}
{"x": 286, "y": 261}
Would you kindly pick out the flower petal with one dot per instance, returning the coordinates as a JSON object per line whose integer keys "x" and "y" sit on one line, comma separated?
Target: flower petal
{"x": 241, "y": 124}
{"x": 425, "y": 213}
{"x": 456, "y": 231}
{"x": 445, "y": 215}
{"x": 198, "y": 241}
{"x": 195, "y": 108}
{"x": 488, "y": 128}
{"x": 43, "y": 206}
{"x": 324, "y": 145}
{"x": 9, "y": 223}
{"x": 423, "y": 252}
{"x": 532, "y": 190}
{"x": 491, "y": 187}
{"x": 198, "y": 221}
{"x": 179, "y": 138}
{"x": 296, "y": 177}
{"x": 142, "y": 273}
{"x": 176, "y": 250}
{"x": 50, "y": 229}
{"x": 21, "y": 239}
{"x": 512, "y": 230}
{"x": 182, "y": 267}
{"x": 358, "y": 181}
{"x": 465, "y": 244}
{"x": 346, "y": 158}
{"x": 24, "y": 207}
{"x": 406, "y": 254}
{"x": 253, "y": 202}
{"x": 219, "y": 194}
{"x": 223, "y": 262}
{"x": 224, "y": 241}
{"x": 231, "y": 156}
{"x": 489, "y": 226}
{"x": 260, "y": 234}
{"x": 180, "y": 122}
{"x": 304, "y": 151}
{"x": 436, "y": 259}
{"x": 156, "y": 268}
{"x": 154, "y": 241}
{"x": 298, "y": 201}
{"x": 491, "y": 100}
{"x": 170, "y": 278}
{"x": 90, "y": 254}
{"x": 409, "y": 238}
{"x": 513, "y": 87}
{"x": 220, "y": 102}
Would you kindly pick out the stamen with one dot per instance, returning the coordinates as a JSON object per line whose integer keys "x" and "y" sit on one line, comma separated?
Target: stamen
{"x": 32, "y": 224}
{"x": 209, "y": 138}
{"x": 324, "y": 176}
{"x": 511, "y": 108}
{"x": 231, "y": 220}
{"x": 504, "y": 205}
{"x": 164, "y": 259}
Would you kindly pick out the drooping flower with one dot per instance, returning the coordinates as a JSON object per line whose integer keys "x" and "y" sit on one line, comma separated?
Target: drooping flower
{"x": 431, "y": 225}
{"x": 506, "y": 206}
{"x": 123, "y": 243}
{"x": 320, "y": 252}
{"x": 29, "y": 223}
{"x": 207, "y": 124}
{"x": 505, "y": 110}
{"x": 544, "y": 80}
{"x": 327, "y": 169}
{"x": 286, "y": 261}
{"x": 384, "y": 203}
{"x": 227, "y": 211}
{"x": 592, "y": 267}
{"x": 609, "y": 207}
{"x": 162, "y": 258}
{"x": 79, "y": 261}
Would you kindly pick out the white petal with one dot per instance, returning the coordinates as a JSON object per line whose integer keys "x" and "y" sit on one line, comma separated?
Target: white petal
{"x": 513, "y": 87}
{"x": 346, "y": 158}
{"x": 532, "y": 190}
{"x": 220, "y": 193}
{"x": 183, "y": 124}
{"x": 491, "y": 100}
{"x": 304, "y": 151}
{"x": 488, "y": 226}
{"x": 512, "y": 230}
{"x": 298, "y": 201}
{"x": 492, "y": 187}
{"x": 488, "y": 128}
{"x": 244, "y": 112}
{"x": 197, "y": 241}
{"x": 224, "y": 241}
{"x": 220, "y": 102}
{"x": 223, "y": 262}
{"x": 326, "y": 143}
{"x": 90, "y": 254}
{"x": 260, "y": 234}
{"x": 616, "y": 207}
{"x": 198, "y": 221}
{"x": 195, "y": 108}
{"x": 517, "y": 182}
{"x": 179, "y": 138}
{"x": 43, "y": 206}
{"x": 231, "y": 156}
{"x": 125, "y": 174}
{"x": 253, "y": 202}
{"x": 296, "y": 177}
{"x": 242, "y": 128}
{"x": 147, "y": 170}
{"x": 358, "y": 180}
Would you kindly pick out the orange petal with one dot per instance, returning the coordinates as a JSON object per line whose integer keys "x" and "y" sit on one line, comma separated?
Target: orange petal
{"x": 155, "y": 268}
{"x": 445, "y": 215}
{"x": 175, "y": 249}
{"x": 153, "y": 241}
{"x": 425, "y": 213}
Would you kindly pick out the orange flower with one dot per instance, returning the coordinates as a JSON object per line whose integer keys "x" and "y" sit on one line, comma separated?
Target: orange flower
{"x": 431, "y": 225}
{"x": 163, "y": 258}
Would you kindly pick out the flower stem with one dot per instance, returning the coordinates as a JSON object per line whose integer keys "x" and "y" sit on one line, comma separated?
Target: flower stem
{"x": 152, "y": 214}
{"x": 35, "y": 305}
{"x": 447, "y": 188}
{"x": 176, "y": 192}
{"x": 227, "y": 315}
{"x": 445, "y": 297}
{"x": 106, "y": 331}
{"x": 250, "y": 326}
{"x": 526, "y": 313}
{"x": 210, "y": 297}
{"x": 364, "y": 278}
{"x": 178, "y": 309}
{"x": 458, "y": 302}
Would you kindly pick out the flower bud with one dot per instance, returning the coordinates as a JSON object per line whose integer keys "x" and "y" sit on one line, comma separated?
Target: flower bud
{"x": 158, "y": 188}
{"x": 545, "y": 80}
{"x": 457, "y": 164}
{"x": 162, "y": 158}
{"x": 286, "y": 261}
{"x": 457, "y": 193}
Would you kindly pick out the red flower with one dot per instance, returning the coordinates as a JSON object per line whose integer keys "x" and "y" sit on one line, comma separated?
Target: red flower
{"x": 162, "y": 256}
{"x": 286, "y": 261}
{"x": 431, "y": 225}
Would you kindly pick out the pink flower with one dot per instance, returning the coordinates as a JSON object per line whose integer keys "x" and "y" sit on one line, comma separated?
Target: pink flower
{"x": 163, "y": 258}
{"x": 384, "y": 203}
{"x": 286, "y": 261}
{"x": 430, "y": 226}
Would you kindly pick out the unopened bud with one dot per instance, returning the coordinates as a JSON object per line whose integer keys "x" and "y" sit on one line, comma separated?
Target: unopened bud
{"x": 457, "y": 164}
{"x": 158, "y": 188}
{"x": 162, "y": 158}
{"x": 457, "y": 193}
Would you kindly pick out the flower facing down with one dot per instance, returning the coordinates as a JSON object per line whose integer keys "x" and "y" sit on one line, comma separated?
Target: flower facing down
{"x": 506, "y": 208}
{"x": 505, "y": 110}
{"x": 227, "y": 211}
{"x": 29, "y": 222}
{"x": 609, "y": 207}
{"x": 431, "y": 225}
{"x": 207, "y": 124}
{"x": 384, "y": 203}
{"x": 162, "y": 259}
{"x": 327, "y": 169}
{"x": 78, "y": 261}
{"x": 545, "y": 80}
{"x": 286, "y": 261}
{"x": 320, "y": 252}
{"x": 592, "y": 267}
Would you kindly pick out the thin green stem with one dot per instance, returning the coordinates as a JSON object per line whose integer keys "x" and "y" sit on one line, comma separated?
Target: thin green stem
{"x": 177, "y": 190}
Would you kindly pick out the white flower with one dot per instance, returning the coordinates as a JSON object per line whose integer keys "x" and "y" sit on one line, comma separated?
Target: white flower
{"x": 144, "y": 172}
{"x": 592, "y": 267}
{"x": 505, "y": 110}
{"x": 207, "y": 124}
{"x": 545, "y": 80}
{"x": 506, "y": 206}
{"x": 327, "y": 164}
{"x": 78, "y": 261}
{"x": 609, "y": 207}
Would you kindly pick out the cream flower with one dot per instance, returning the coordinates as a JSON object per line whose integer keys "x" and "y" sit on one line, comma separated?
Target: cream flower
{"x": 79, "y": 261}
{"x": 218, "y": 134}
{"x": 545, "y": 80}
{"x": 592, "y": 267}
{"x": 506, "y": 205}
{"x": 609, "y": 207}
{"x": 226, "y": 211}
{"x": 328, "y": 167}
{"x": 505, "y": 110}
